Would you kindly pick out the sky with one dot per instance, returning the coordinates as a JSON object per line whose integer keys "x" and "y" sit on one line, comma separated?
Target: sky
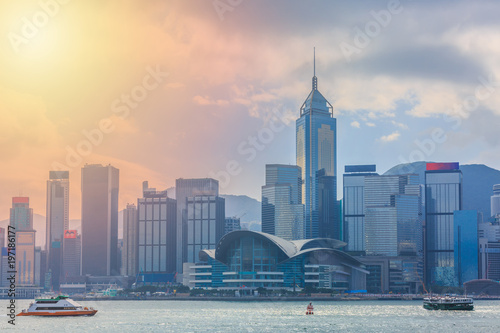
{"x": 212, "y": 88}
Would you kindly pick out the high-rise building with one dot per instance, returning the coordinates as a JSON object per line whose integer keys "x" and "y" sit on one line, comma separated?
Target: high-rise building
{"x": 100, "y": 220}
{"x": 21, "y": 218}
{"x": 57, "y": 220}
{"x": 393, "y": 224}
{"x": 443, "y": 196}
{"x": 2, "y": 244}
{"x": 156, "y": 235}
{"x": 316, "y": 145}
{"x": 204, "y": 224}
{"x": 330, "y": 225}
{"x": 185, "y": 188}
{"x": 72, "y": 246}
{"x": 231, "y": 224}
{"x": 465, "y": 248}
{"x": 495, "y": 201}
{"x": 130, "y": 241}
{"x": 282, "y": 210}
{"x": 354, "y": 207}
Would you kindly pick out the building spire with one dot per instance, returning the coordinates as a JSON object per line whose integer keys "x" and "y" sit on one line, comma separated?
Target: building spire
{"x": 315, "y": 79}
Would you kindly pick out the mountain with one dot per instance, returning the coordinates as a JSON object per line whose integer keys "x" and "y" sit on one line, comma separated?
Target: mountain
{"x": 478, "y": 181}
{"x": 246, "y": 208}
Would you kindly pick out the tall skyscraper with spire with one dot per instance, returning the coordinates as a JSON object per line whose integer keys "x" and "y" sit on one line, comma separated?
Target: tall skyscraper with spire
{"x": 316, "y": 131}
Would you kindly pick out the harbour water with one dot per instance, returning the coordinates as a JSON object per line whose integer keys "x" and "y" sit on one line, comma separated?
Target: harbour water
{"x": 226, "y": 316}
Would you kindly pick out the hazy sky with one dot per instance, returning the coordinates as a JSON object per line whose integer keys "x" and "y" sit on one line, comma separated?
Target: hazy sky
{"x": 170, "y": 89}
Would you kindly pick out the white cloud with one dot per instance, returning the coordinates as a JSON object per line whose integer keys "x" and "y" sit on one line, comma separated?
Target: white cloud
{"x": 391, "y": 137}
{"x": 370, "y": 124}
{"x": 200, "y": 100}
{"x": 355, "y": 124}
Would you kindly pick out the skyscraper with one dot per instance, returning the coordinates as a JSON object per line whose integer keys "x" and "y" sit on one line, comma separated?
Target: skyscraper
{"x": 21, "y": 218}
{"x": 282, "y": 210}
{"x": 354, "y": 206}
{"x": 465, "y": 248}
{"x": 316, "y": 131}
{"x": 57, "y": 220}
{"x": 393, "y": 225}
{"x": 185, "y": 188}
{"x": 72, "y": 252}
{"x": 443, "y": 196}
{"x": 204, "y": 224}
{"x": 100, "y": 220}
{"x": 156, "y": 235}
{"x": 495, "y": 201}
{"x": 130, "y": 241}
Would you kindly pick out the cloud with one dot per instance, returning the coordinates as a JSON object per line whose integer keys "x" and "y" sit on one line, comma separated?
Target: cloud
{"x": 370, "y": 124}
{"x": 391, "y": 137}
{"x": 355, "y": 124}
{"x": 207, "y": 101}
{"x": 400, "y": 125}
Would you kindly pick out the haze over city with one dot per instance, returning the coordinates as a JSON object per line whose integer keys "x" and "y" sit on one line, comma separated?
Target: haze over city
{"x": 206, "y": 84}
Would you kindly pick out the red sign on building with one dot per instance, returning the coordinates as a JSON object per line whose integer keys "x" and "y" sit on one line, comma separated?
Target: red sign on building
{"x": 70, "y": 233}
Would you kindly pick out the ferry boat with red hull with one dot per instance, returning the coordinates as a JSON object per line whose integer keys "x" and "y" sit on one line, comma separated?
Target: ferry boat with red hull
{"x": 57, "y": 307}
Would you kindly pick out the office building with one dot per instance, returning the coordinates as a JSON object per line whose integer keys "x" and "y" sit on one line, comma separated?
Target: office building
{"x": 57, "y": 221}
{"x": 156, "y": 236}
{"x": 393, "y": 224}
{"x": 353, "y": 206}
{"x": 231, "y": 224}
{"x": 72, "y": 252}
{"x": 443, "y": 196}
{"x": 495, "y": 201}
{"x": 21, "y": 218}
{"x": 185, "y": 188}
{"x": 100, "y": 185}
{"x": 282, "y": 210}
{"x": 316, "y": 149}
{"x": 465, "y": 248}
{"x": 204, "y": 224}
{"x": 130, "y": 241}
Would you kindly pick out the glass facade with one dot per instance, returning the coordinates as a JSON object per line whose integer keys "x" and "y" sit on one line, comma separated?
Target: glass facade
{"x": 465, "y": 248}
{"x": 443, "y": 196}
{"x": 354, "y": 206}
{"x": 156, "y": 233}
{"x": 231, "y": 224}
{"x": 316, "y": 149}
{"x": 282, "y": 212}
{"x": 205, "y": 224}
{"x": 185, "y": 188}
{"x": 247, "y": 259}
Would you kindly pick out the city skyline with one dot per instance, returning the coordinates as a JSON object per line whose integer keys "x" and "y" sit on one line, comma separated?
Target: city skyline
{"x": 391, "y": 93}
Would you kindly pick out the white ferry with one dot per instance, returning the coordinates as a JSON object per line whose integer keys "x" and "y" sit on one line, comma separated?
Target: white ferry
{"x": 58, "y": 306}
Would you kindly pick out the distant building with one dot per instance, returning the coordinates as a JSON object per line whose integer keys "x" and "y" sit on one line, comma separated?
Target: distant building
{"x": 495, "y": 201}
{"x": 316, "y": 149}
{"x": 185, "y": 188}
{"x": 282, "y": 210}
{"x": 156, "y": 236}
{"x": 205, "y": 224}
{"x": 354, "y": 206}
{"x": 57, "y": 221}
{"x": 443, "y": 196}
{"x": 72, "y": 245}
{"x": 393, "y": 221}
{"x": 231, "y": 224}
{"x": 4, "y": 268}
{"x": 130, "y": 241}
{"x": 100, "y": 186}
{"x": 489, "y": 250}
{"x": 465, "y": 249}
{"x": 21, "y": 217}
{"x": 2, "y": 244}
{"x": 246, "y": 260}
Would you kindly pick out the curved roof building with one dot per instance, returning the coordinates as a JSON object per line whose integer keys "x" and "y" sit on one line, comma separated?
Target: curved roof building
{"x": 250, "y": 259}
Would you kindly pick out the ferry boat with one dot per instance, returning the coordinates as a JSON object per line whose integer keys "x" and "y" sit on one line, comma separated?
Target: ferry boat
{"x": 448, "y": 303}
{"x": 57, "y": 306}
